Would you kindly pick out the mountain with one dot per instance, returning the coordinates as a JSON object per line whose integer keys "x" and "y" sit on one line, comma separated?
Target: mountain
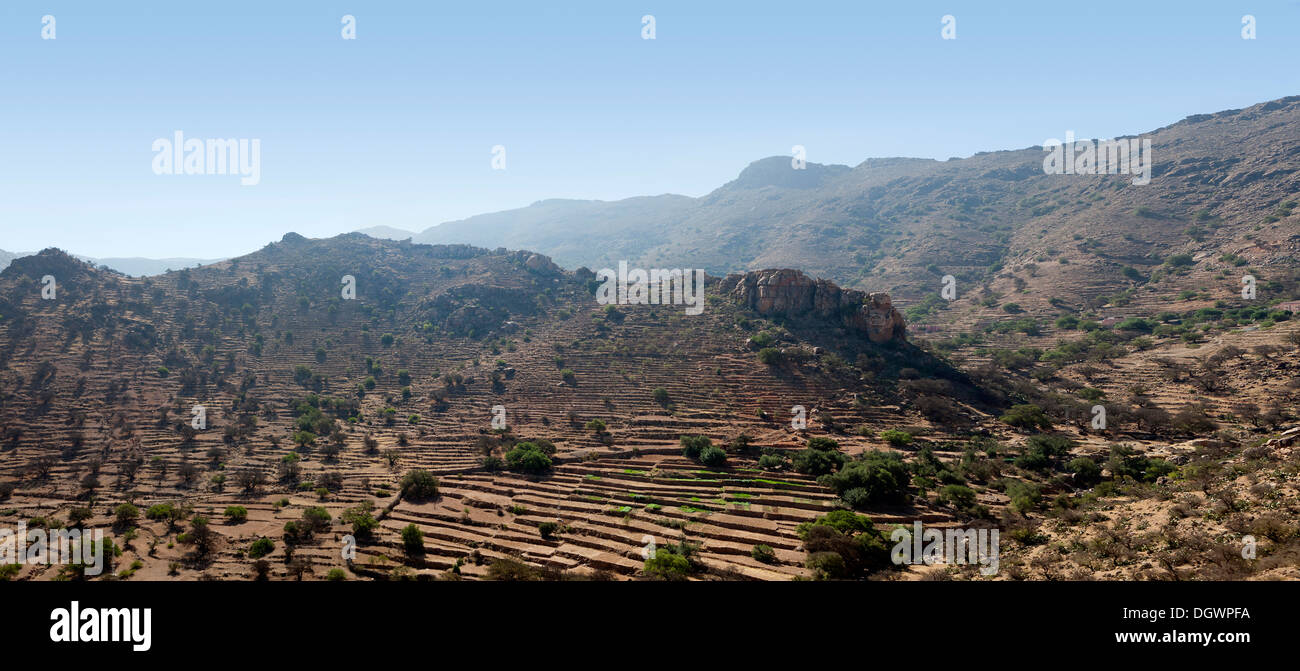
{"x": 575, "y": 233}
{"x": 140, "y": 267}
{"x": 135, "y": 266}
{"x": 1220, "y": 184}
{"x": 386, "y": 233}
{"x": 7, "y": 257}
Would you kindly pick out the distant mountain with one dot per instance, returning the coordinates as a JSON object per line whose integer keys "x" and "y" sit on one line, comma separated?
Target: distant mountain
{"x": 1220, "y": 184}
{"x": 7, "y": 257}
{"x": 574, "y": 232}
{"x": 140, "y": 267}
{"x": 133, "y": 266}
{"x": 386, "y": 233}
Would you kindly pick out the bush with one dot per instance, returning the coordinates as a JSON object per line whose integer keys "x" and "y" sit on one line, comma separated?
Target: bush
{"x": 667, "y": 565}
{"x": 79, "y": 515}
{"x": 763, "y": 553}
{"x": 1086, "y": 471}
{"x": 1027, "y": 416}
{"x": 336, "y": 575}
{"x": 412, "y": 539}
{"x": 529, "y": 458}
{"x": 895, "y": 437}
{"x": 880, "y": 477}
{"x": 713, "y": 457}
{"x": 960, "y": 497}
{"x": 819, "y": 443}
{"x": 770, "y": 356}
{"x": 261, "y": 547}
{"x": 772, "y": 462}
{"x": 817, "y": 462}
{"x": 1025, "y": 496}
{"x": 419, "y": 484}
{"x": 693, "y": 445}
{"x": 842, "y": 545}
{"x": 125, "y": 514}
{"x": 660, "y": 395}
{"x": 548, "y": 529}
{"x": 236, "y": 513}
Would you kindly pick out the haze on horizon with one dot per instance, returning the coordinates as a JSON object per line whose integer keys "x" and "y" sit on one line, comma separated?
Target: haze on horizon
{"x": 396, "y": 128}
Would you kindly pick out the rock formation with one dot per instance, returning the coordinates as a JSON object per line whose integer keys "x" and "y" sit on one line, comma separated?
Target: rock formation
{"x": 790, "y": 293}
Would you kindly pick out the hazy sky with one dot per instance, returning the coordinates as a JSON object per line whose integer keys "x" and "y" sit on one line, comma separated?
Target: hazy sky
{"x": 397, "y": 126}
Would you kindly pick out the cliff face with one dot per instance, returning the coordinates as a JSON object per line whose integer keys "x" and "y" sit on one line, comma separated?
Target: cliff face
{"x": 790, "y": 293}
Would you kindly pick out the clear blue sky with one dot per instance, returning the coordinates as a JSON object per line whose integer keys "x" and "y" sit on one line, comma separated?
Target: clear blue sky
{"x": 396, "y": 127}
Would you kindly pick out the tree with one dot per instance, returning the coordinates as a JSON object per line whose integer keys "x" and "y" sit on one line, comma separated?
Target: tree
{"x": 413, "y": 540}
{"x": 236, "y": 514}
{"x": 693, "y": 445}
{"x": 261, "y": 547}
{"x": 126, "y": 514}
{"x": 874, "y": 477}
{"x": 713, "y": 457}
{"x": 200, "y": 536}
{"x": 529, "y": 458}
{"x": 817, "y": 462}
{"x": 360, "y": 517}
{"x": 419, "y": 484}
{"x": 1027, "y": 416}
{"x": 249, "y": 480}
{"x": 842, "y": 545}
{"x": 667, "y": 565}
{"x": 895, "y": 437}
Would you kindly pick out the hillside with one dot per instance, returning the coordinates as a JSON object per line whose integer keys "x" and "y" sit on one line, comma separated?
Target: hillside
{"x": 101, "y": 381}
{"x": 320, "y": 410}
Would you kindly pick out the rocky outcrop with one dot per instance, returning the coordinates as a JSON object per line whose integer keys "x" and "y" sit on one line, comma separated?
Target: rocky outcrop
{"x": 790, "y": 293}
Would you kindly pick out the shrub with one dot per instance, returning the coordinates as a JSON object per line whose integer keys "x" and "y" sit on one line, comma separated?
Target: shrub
{"x": 1025, "y": 496}
{"x": 771, "y": 462}
{"x": 236, "y": 513}
{"x": 692, "y": 446}
{"x": 763, "y": 553}
{"x": 880, "y": 477}
{"x": 419, "y": 484}
{"x": 667, "y": 565}
{"x": 842, "y": 545}
{"x": 528, "y": 457}
{"x": 713, "y": 457}
{"x": 770, "y": 356}
{"x": 1027, "y": 416}
{"x": 79, "y": 514}
{"x": 125, "y": 514}
{"x": 363, "y": 523}
{"x": 960, "y": 497}
{"x": 895, "y": 437}
{"x": 1086, "y": 471}
{"x": 261, "y": 547}
{"x": 548, "y": 529}
{"x": 660, "y": 395}
{"x": 819, "y": 443}
{"x": 336, "y": 575}
{"x": 817, "y": 462}
{"x": 412, "y": 539}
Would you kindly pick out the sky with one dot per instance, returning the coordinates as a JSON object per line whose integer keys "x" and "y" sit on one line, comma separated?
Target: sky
{"x": 397, "y": 127}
